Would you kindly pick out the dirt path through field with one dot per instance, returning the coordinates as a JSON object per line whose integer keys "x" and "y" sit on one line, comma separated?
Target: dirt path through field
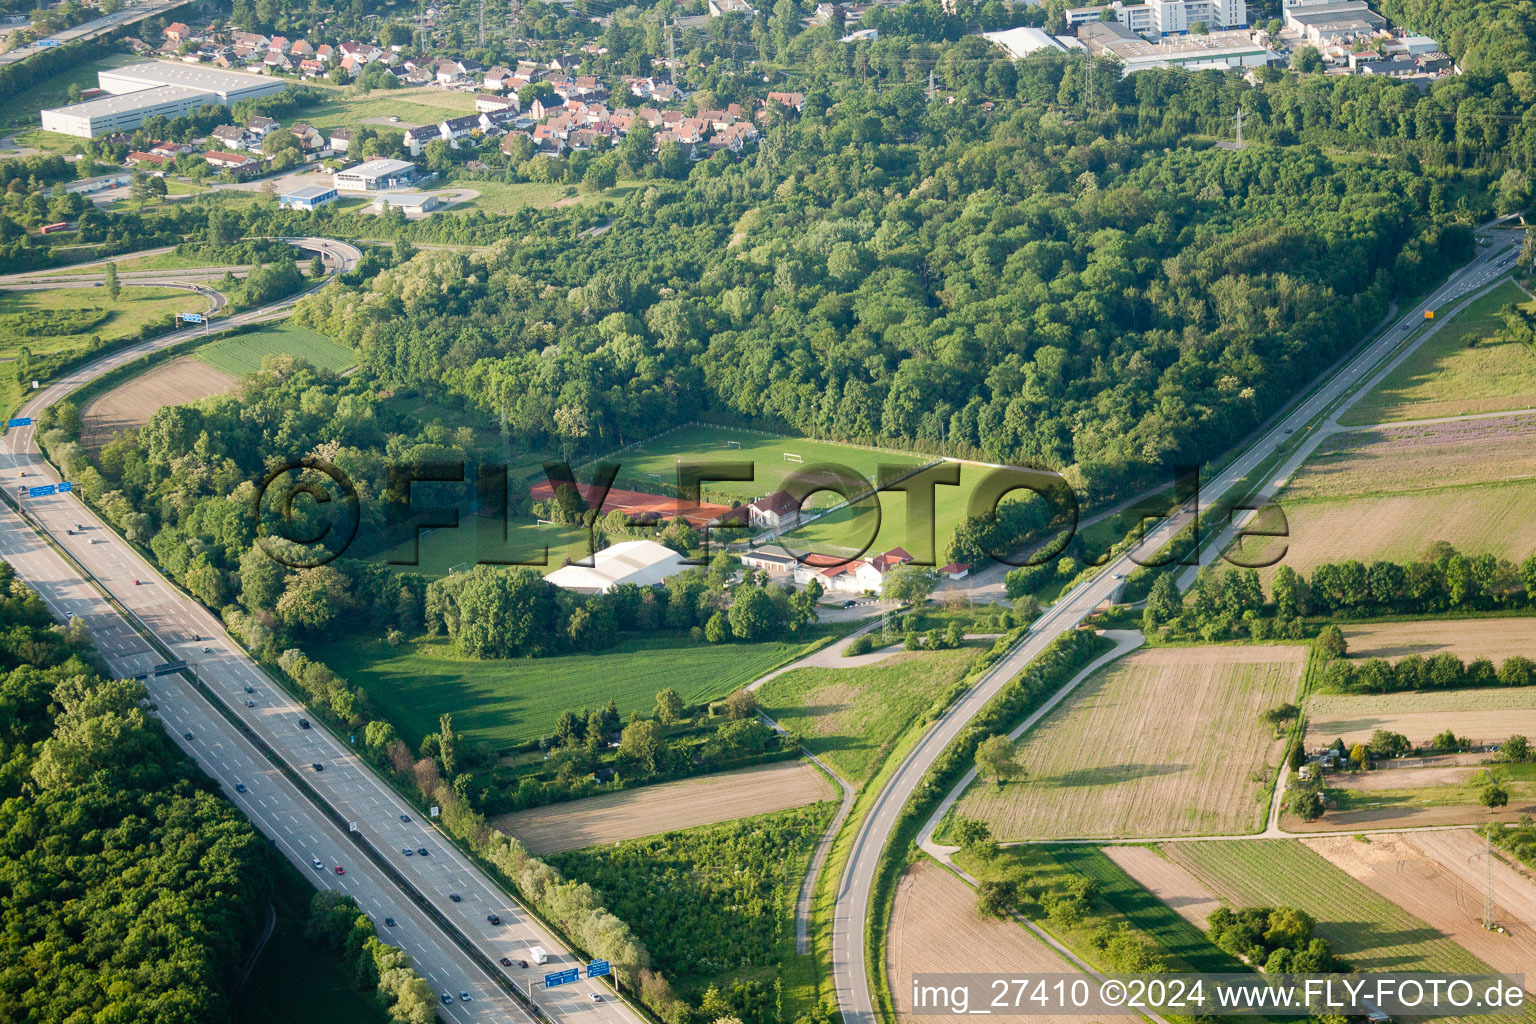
{"x": 613, "y": 817}
{"x": 935, "y": 929}
{"x": 1184, "y": 894}
{"x": 132, "y": 403}
{"x": 1438, "y": 877}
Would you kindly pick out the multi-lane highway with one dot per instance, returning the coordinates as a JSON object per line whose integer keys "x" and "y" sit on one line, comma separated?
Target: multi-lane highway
{"x": 851, "y": 913}
{"x": 90, "y": 29}
{"x": 462, "y": 899}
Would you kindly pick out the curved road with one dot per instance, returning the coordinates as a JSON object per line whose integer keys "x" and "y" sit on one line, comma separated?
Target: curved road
{"x": 851, "y": 913}
{"x": 384, "y": 822}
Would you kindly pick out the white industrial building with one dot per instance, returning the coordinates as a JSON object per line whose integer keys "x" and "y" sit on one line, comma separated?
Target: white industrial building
{"x": 140, "y": 91}
{"x": 1193, "y": 52}
{"x": 375, "y": 175}
{"x": 1019, "y": 43}
{"x": 1166, "y": 17}
{"x": 644, "y": 563}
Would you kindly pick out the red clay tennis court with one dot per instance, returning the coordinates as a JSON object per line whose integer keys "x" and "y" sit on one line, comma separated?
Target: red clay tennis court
{"x": 638, "y": 504}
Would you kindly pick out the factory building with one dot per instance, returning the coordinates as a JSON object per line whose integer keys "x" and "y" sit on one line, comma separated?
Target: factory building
{"x": 140, "y": 91}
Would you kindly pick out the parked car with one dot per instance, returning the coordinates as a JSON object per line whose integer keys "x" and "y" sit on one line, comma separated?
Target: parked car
{"x": 186, "y": 736}
{"x": 239, "y": 787}
{"x": 422, "y": 850}
{"x": 455, "y": 897}
{"x": 340, "y": 870}
{"x": 317, "y": 766}
{"x": 506, "y": 961}
{"x": 389, "y": 922}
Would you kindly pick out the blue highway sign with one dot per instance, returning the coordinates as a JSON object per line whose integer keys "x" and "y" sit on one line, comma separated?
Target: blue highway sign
{"x": 65, "y": 487}
{"x": 561, "y": 978}
{"x": 20, "y": 421}
{"x": 192, "y": 318}
{"x": 43, "y": 491}
{"x": 597, "y": 968}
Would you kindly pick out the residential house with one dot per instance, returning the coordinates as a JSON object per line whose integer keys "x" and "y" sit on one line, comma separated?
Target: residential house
{"x": 416, "y": 139}
{"x": 311, "y": 139}
{"x": 565, "y": 62}
{"x": 301, "y": 48}
{"x": 252, "y": 41}
{"x": 138, "y": 159}
{"x": 447, "y": 72}
{"x": 275, "y": 61}
{"x": 177, "y": 32}
{"x": 230, "y": 137}
{"x": 793, "y": 100}
{"x": 311, "y": 68}
{"x": 955, "y": 570}
{"x": 366, "y": 53}
{"x": 545, "y": 105}
{"x": 486, "y": 104}
{"x": 341, "y": 139}
{"x": 420, "y": 76}
{"x": 456, "y": 128}
{"x": 720, "y": 8}
{"x": 279, "y": 43}
{"x": 890, "y": 560}
{"x": 774, "y": 510}
{"x": 497, "y": 78}
{"x": 261, "y": 127}
{"x": 238, "y": 163}
{"x": 323, "y": 51}
{"x": 733, "y": 137}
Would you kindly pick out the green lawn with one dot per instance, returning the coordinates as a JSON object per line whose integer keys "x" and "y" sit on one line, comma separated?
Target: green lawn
{"x": 1462, "y": 369}
{"x": 300, "y": 980}
{"x": 1368, "y": 930}
{"x": 60, "y": 320}
{"x": 499, "y": 197}
{"x": 346, "y": 109}
{"x": 478, "y": 539}
{"x": 241, "y": 354}
{"x": 158, "y": 261}
{"x": 509, "y": 702}
{"x": 22, "y": 109}
{"x": 850, "y": 717}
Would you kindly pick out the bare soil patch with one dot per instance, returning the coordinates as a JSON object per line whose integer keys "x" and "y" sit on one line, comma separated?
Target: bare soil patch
{"x": 935, "y": 929}
{"x": 614, "y": 817}
{"x": 1488, "y": 718}
{"x": 1495, "y": 639}
{"x": 1438, "y": 876}
{"x": 1164, "y": 742}
{"x": 133, "y": 402}
{"x": 1184, "y": 894}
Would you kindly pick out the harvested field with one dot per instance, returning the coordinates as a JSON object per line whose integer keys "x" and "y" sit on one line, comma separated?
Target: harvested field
{"x": 1495, "y": 519}
{"x": 1164, "y": 742}
{"x": 1438, "y": 876}
{"x": 613, "y": 817}
{"x": 132, "y": 403}
{"x": 1414, "y": 457}
{"x": 1181, "y": 891}
{"x": 1494, "y": 639}
{"x": 935, "y": 929}
{"x": 1482, "y": 715}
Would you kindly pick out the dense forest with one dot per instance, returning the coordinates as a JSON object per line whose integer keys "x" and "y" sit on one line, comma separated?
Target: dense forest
{"x": 129, "y": 890}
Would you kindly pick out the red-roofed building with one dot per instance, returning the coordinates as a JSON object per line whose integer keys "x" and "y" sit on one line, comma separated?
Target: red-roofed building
{"x": 890, "y": 560}
{"x": 774, "y": 510}
{"x": 956, "y": 570}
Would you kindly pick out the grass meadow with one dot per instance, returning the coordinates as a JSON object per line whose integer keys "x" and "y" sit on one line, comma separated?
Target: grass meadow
{"x": 1463, "y": 369}
{"x": 508, "y": 702}
{"x": 242, "y": 354}
{"x": 851, "y": 717}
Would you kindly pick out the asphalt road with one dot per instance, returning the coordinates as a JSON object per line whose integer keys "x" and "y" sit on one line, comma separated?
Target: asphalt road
{"x": 384, "y": 821}
{"x": 92, "y": 29}
{"x": 851, "y": 913}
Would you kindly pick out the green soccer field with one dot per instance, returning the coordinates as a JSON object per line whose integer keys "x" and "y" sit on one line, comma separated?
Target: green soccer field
{"x": 774, "y": 460}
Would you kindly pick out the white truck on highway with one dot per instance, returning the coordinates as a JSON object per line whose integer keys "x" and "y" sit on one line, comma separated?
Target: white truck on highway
{"x": 538, "y": 955}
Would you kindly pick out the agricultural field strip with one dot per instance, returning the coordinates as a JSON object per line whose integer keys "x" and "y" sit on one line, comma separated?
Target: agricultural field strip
{"x": 935, "y": 929}
{"x": 1468, "y": 639}
{"x": 1137, "y": 738}
{"x": 1365, "y": 928}
{"x": 649, "y": 810}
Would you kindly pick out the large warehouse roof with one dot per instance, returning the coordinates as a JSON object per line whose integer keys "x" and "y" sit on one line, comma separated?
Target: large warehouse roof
{"x": 641, "y": 562}
{"x": 191, "y": 76}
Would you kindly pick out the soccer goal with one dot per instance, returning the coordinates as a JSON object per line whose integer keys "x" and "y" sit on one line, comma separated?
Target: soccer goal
{"x": 460, "y": 567}
{"x": 730, "y": 444}
{"x": 792, "y": 457}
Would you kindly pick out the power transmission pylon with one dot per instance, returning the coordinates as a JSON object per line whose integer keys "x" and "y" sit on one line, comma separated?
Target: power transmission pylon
{"x": 1239, "y": 120}
{"x": 1490, "y": 920}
